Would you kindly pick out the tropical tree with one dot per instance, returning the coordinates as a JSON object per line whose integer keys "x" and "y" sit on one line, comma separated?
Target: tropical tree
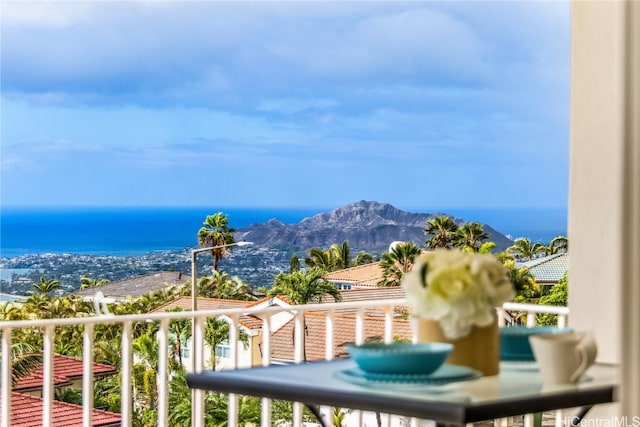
{"x": 469, "y": 236}
{"x": 45, "y": 287}
{"x": 88, "y": 282}
{"x": 179, "y": 332}
{"x": 442, "y": 230}
{"x": 341, "y": 255}
{"x": 362, "y": 258}
{"x": 557, "y": 295}
{"x": 523, "y": 248}
{"x": 304, "y": 287}
{"x": 397, "y": 262}
{"x": 556, "y": 245}
{"x": 145, "y": 371}
{"x": 487, "y": 247}
{"x": 526, "y": 287}
{"x": 294, "y": 263}
{"x": 337, "y": 257}
{"x": 321, "y": 260}
{"x": 25, "y": 357}
{"x": 215, "y": 232}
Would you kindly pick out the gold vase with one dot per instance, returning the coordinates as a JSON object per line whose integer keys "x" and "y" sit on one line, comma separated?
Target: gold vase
{"x": 480, "y": 349}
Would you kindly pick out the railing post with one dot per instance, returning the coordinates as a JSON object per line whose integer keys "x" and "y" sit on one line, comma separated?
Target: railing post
{"x": 7, "y": 355}
{"x": 47, "y": 375}
{"x": 163, "y": 386}
{"x": 198, "y": 395}
{"x": 87, "y": 376}
{"x": 265, "y": 412}
{"x": 126, "y": 395}
{"x": 233, "y": 406}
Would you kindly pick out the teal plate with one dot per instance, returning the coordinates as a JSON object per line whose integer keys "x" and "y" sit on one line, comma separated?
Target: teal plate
{"x": 517, "y": 357}
{"x": 443, "y": 375}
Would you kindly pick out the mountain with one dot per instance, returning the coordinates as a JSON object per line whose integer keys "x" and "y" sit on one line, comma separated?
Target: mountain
{"x": 368, "y": 226}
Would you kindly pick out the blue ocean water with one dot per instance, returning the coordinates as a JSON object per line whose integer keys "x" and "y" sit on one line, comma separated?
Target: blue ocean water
{"x": 118, "y": 231}
{"x": 136, "y": 231}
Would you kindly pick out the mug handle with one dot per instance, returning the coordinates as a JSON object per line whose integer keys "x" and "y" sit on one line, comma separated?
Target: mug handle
{"x": 586, "y": 351}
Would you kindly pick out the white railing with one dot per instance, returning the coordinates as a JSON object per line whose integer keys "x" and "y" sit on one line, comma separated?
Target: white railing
{"x": 199, "y": 317}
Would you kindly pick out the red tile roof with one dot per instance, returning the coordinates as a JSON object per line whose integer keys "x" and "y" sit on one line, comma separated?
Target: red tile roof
{"x": 367, "y": 275}
{"x": 65, "y": 369}
{"x": 344, "y": 333}
{"x": 26, "y": 411}
{"x": 248, "y": 321}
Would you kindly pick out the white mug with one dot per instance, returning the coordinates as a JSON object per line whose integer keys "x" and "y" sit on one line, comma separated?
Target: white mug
{"x": 563, "y": 358}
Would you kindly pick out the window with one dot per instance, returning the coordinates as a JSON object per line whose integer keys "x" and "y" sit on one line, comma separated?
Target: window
{"x": 223, "y": 349}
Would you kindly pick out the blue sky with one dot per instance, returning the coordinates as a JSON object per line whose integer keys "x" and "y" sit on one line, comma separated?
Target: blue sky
{"x": 285, "y": 104}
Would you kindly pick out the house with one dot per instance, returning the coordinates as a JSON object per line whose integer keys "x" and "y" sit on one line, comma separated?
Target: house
{"x": 134, "y": 287}
{"x": 359, "y": 277}
{"x": 67, "y": 372}
{"x": 344, "y": 327}
{"x": 26, "y": 396}
{"x": 26, "y": 411}
{"x": 548, "y": 270}
{"x": 250, "y": 353}
{"x": 250, "y": 325}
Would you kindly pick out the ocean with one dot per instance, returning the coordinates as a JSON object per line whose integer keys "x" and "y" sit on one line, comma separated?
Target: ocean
{"x": 135, "y": 231}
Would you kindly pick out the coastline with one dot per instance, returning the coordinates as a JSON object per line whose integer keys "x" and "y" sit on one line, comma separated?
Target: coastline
{"x": 127, "y": 231}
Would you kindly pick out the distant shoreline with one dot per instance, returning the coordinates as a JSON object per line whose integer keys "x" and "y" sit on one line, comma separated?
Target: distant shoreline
{"x": 131, "y": 232}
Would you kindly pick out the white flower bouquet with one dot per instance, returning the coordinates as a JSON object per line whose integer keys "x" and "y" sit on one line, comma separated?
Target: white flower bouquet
{"x": 457, "y": 289}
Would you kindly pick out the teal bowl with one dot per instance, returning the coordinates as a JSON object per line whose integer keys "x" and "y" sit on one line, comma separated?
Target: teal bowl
{"x": 514, "y": 341}
{"x": 400, "y": 358}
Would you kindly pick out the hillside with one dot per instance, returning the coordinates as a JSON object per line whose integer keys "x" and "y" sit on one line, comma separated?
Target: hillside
{"x": 369, "y": 226}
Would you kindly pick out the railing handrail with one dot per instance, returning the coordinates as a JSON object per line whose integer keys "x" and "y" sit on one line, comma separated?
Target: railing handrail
{"x": 536, "y": 308}
{"x": 188, "y": 314}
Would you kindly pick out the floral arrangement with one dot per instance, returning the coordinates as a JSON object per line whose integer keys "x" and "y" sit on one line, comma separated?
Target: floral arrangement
{"x": 457, "y": 289}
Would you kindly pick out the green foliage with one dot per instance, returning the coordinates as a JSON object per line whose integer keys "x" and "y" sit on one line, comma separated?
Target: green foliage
{"x": 442, "y": 230}
{"x": 363, "y": 258}
{"x": 469, "y": 236}
{"x": 337, "y": 257}
{"x": 397, "y": 262}
{"x": 69, "y": 395}
{"x": 558, "y": 295}
{"x": 304, "y": 287}
{"x": 524, "y": 249}
{"x": 294, "y": 263}
{"x": 215, "y": 232}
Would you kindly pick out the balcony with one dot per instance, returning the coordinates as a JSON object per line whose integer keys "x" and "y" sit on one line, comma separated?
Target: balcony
{"x": 268, "y": 337}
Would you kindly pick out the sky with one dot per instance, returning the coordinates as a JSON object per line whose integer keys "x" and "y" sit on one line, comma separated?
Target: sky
{"x": 285, "y": 104}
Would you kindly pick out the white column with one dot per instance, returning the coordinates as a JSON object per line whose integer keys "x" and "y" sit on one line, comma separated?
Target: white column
{"x": 631, "y": 220}
{"x": 604, "y": 206}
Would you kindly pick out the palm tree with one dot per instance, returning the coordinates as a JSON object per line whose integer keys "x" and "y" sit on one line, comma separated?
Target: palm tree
{"x": 220, "y": 285}
{"x": 180, "y": 332}
{"x": 523, "y": 248}
{"x": 526, "y": 287}
{"x": 304, "y": 287}
{"x": 556, "y": 245}
{"x": 341, "y": 255}
{"x": 24, "y": 359}
{"x": 487, "y": 247}
{"x": 45, "y": 287}
{"x": 321, "y": 260}
{"x": 442, "y": 230}
{"x": 294, "y": 263}
{"x": 397, "y": 262}
{"x": 88, "y": 282}
{"x": 363, "y": 258}
{"x": 470, "y": 236}
{"x": 215, "y": 232}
